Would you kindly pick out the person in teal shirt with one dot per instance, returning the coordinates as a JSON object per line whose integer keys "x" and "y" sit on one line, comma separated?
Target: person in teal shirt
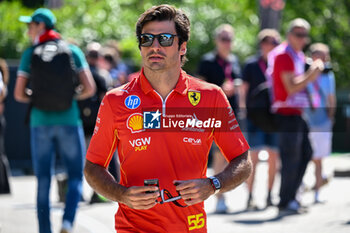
{"x": 54, "y": 131}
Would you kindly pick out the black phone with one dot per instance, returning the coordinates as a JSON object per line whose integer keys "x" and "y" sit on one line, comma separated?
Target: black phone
{"x": 151, "y": 182}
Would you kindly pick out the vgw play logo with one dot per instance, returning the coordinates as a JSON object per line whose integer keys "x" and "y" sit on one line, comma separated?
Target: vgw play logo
{"x": 140, "y": 144}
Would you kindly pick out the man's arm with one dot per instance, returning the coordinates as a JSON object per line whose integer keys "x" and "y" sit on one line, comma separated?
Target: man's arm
{"x": 3, "y": 93}
{"x": 243, "y": 94}
{"x": 198, "y": 190}
{"x": 296, "y": 84}
{"x": 88, "y": 85}
{"x": 96, "y": 172}
{"x": 331, "y": 106}
{"x": 235, "y": 173}
{"x": 3, "y": 87}
{"x": 20, "y": 90}
{"x": 103, "y": 182}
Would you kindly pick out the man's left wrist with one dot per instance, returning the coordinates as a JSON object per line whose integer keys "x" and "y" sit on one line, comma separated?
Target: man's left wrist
{"x": 215, "y": 183}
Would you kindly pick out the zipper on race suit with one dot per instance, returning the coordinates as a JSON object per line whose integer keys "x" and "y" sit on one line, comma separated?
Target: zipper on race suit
{"x": 163, "y": 101}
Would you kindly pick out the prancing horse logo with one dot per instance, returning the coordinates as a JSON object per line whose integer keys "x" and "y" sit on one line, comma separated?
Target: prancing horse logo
{"x": 194, "y": 97}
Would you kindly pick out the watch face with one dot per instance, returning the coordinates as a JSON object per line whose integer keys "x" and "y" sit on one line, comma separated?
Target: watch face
{"x": 216, "y": 183}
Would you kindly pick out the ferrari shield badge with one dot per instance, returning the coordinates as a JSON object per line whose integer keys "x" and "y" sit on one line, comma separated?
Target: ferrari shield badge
{"x": 194, "y": 97}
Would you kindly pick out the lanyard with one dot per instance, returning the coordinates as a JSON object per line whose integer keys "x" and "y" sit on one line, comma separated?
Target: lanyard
{"x": 298, "y": 59}
{"x": 226, "y": 67}
{"x": 262, "y": 65}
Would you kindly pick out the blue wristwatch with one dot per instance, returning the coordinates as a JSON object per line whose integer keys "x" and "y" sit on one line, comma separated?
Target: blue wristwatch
{"x": 215, "y": 183}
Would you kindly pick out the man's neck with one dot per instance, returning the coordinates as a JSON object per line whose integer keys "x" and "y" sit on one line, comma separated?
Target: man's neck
{"x": 162, "y": 82}
{"x": 37, "y": 37}
{"x": 295, "y": 48}
{"x": 223, "y": 56}
{"x": 264, "y": 56}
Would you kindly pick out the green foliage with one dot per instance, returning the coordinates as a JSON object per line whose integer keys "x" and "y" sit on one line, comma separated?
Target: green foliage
{"x": 101, "y": 20}
{"x": 13, "y": 39}
{"x": 97, "y": 20}
{"x": 330, "y": 24}
{"x": 112, "y": 19}
{"x": 29, "y": 3}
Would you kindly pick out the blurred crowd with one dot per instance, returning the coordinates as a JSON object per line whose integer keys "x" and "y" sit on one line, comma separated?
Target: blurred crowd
{"x": 285, "y": 102}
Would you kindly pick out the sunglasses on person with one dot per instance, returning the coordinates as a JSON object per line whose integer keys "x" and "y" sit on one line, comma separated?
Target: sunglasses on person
{"x": 269, "y": 40}
{"x": 300, "y": 35}
{"x": 225, "y": 39}
{"x": 164, "y": 39}
{"x": 165, "y": 195}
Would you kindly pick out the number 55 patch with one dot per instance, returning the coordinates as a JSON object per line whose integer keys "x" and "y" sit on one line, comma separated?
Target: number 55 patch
{"x": 196, "y": 221}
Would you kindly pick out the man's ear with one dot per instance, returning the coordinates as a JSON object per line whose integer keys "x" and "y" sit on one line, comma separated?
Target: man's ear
{"x": 183, "y": 48}
{"x": 42, "y": 26}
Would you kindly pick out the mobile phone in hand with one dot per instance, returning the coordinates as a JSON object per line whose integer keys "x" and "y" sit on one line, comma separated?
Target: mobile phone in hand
{"x": 151, "y": 182}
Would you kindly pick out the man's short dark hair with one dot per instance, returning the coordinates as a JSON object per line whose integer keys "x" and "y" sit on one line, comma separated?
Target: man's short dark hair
{"x": 166, "y": 13}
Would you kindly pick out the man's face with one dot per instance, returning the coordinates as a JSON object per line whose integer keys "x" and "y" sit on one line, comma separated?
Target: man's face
{"x": 319, "y": 55}
{"x": 298, "y": 38}
{"x": 267, "y": 45}
{"x": 34, "y": 30}
{"x": 156, "y": 57}
{"x": 224, "y": 42}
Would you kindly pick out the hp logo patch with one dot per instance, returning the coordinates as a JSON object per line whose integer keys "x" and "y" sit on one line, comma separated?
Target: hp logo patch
{"x": 151, "y": 120}
{"x": 132, "y": 101}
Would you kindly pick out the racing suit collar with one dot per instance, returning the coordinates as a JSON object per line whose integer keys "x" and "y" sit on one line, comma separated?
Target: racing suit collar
{"x": 181, "y": 86}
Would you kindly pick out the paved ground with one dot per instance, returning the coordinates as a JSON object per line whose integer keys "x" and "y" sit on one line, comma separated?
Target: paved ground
{"x": 17, "y": 211}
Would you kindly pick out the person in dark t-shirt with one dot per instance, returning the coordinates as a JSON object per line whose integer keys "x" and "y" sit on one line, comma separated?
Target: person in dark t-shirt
{"x": 222, "y": 68}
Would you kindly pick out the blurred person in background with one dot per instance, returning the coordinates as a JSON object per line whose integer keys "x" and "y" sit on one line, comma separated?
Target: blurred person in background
{"x": 4, "y": 164}
{"x": 321, "y": 119}
{"x": 256, "y": 100}
{"x": 118, "y": 69}
{"x": 286, "y": 67}
{"x": 89, "y": 107}
{"x": 222, "y": 68}
{"x": 53, "y": 68}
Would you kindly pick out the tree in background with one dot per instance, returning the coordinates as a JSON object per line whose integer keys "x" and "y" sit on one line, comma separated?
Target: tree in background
{"x": 270, "y": 13}
{"x": 330, "y": 24}
{"x": 29, "y": 3}
{"x": 101, "y": 20}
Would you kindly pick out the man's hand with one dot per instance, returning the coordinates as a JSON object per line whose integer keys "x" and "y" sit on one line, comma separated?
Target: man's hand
{"x": 194, "y": 191}
{"x": 317, "y": 66}
{"x": 228, "y": 87}
{"x": 136, "y": 197}
{"x": 20, "y": 92}
{"x": 104, "y": 183}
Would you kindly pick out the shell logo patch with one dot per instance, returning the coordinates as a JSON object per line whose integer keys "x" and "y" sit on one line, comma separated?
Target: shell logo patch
{"x": 135, "y": 123}
{"x": 194, "y": 97}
